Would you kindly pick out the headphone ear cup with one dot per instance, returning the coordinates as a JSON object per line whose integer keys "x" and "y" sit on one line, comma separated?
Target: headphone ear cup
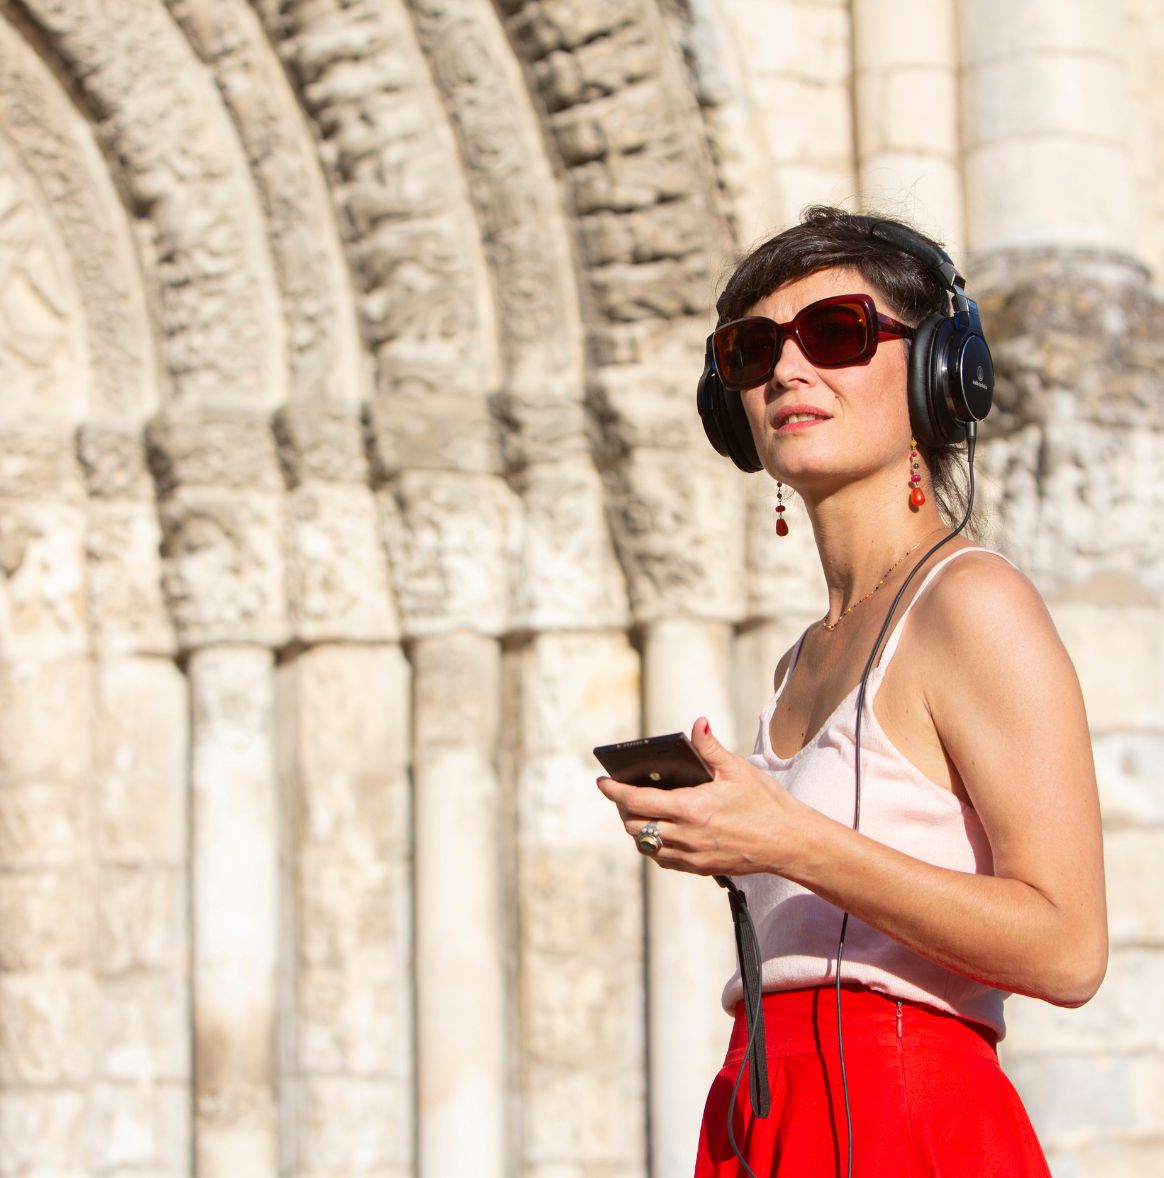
{"x": 741, "y": 444}
{"x": 971, "y": 376}
{"x": 708, "y": 397}
{"x": 931, "y": 413}
{"x": 724, "y": 420}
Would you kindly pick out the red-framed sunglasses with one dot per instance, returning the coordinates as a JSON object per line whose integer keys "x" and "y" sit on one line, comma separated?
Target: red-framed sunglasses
{"x": 832, "y": 333}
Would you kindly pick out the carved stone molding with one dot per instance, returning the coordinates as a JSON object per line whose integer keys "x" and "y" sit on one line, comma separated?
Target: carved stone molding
{"x": 630, "y": 140}
{"x": 392, "y": 167}
{"x": 323, "y": 347}
{"x": 515, "y": 196}
{"x": 449, "y": 538}
{"x": 177, "y": 155}
{"x": 91, "y": 259}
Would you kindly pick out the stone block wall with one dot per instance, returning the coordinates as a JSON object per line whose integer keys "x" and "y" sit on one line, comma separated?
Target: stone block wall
{"x": 351, "y": 491}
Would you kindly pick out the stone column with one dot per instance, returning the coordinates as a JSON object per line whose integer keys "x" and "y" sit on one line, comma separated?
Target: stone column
{"x": 461, "y": 931}
{"x": 446, "y": 532}
{"x": 1145, "y": 51}
{"x": 48, "y": 997}
{"x": 581, "y": 993}
{"x": 799, "y": 90}
{"x": 343, "y": 720}
{"x": 222, "y": 520}
{"x": 141, "y": 834}
{"x": 347, "y": 1096}
{"x": 235, "y": 909}
{"x": 906, "y": 107}
{"x": 681, "y": 542}
{"x": 1074, "y": 455}
{"x": 687, "y": 672}
{"x": 1046, "y": 126}
{"x": 573, "y": 682}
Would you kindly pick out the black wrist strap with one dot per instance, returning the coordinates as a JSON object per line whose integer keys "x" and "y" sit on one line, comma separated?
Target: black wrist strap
{"x": 748, "y": 951}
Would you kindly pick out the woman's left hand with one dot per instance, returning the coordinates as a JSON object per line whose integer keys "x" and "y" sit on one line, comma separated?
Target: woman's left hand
{"x": 741, "y": 821}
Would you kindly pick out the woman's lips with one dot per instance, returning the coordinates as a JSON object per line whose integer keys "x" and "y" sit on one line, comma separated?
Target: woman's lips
{"x": 798, "y": 417}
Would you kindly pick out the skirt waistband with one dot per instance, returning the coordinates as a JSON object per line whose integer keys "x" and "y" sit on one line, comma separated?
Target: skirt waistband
{"x": 799, "y": 1022}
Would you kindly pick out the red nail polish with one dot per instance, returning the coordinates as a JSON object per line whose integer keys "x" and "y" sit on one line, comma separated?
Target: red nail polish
{"x": 706, "y": 727}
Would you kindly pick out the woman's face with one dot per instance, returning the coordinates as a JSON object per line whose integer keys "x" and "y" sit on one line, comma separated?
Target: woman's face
{"x": 817, "y": 429}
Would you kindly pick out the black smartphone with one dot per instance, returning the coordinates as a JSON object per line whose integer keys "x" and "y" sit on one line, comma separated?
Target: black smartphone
{"x": 665, "y": 762}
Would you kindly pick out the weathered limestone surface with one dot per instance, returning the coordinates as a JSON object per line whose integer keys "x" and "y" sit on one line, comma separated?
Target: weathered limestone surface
{"x": 412, "y": 245}
{"x": 48, "y": 994}
{"x": 690, "y": 949}
{"x": 347, "y": 823}
{"x": 1145, "y": 53}
{"x": 175, "y": 154}
{"x": 351, "y": 492}
{"x": 906, "y": 111}
{"x": 316, "y": 299}
{"x": 1046, "y": 115}
{"x": 42, "y": 134}
{"x": 810, "y": 154}
{"x": 43, "y": 608}
{"x": 141, "y": 1095}
{"x": 234, "y": 878}
{"x": 221, "y": 507}
{"x": 580, "y": 971}
{"x": 1074, "y": 460}
{"x": 337, "y": 581}
{"x": 461, "y": 935}
{"x": 1079, "y": 412}
{"x": 126, "y": 606}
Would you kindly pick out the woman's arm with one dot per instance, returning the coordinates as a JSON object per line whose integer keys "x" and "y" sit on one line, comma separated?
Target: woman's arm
{"x": 1004, "y": 700}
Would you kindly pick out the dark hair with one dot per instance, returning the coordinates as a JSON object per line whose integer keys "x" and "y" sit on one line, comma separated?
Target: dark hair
{"x": 828, "y": 238}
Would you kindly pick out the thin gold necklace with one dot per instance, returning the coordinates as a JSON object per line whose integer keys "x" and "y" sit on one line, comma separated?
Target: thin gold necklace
{"x": 831, "y": 626}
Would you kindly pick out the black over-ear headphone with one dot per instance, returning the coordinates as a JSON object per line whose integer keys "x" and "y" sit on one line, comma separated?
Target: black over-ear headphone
{"x": 951, "y": 378}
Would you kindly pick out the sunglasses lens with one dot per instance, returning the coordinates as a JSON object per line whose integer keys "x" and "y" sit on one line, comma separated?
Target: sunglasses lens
{"x": 745, "y": 352}
{"x": 832, "y": 334}
{"x": 835, "y": 334}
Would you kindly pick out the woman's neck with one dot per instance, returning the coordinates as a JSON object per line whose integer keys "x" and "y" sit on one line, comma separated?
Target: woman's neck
{"x": 861, "y": 531}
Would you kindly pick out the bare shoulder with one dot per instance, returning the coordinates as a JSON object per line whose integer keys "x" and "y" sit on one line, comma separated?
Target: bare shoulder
{"x": 985, "y": 618}
{"x": 982, "y": 601}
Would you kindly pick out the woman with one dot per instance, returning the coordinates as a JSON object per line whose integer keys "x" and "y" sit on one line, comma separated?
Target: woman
{"x": 975, "y": 868}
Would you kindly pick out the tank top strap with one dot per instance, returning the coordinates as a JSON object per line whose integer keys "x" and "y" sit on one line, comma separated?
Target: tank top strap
{"x": 890, "y": 647}
{"x": 792, "y": 663}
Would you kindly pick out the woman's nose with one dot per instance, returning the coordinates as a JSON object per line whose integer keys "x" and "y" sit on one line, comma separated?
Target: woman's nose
{"x": 791, "y": 364}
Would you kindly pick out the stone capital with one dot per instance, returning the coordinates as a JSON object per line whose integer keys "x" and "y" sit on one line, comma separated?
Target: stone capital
{"x": 321, "y": 442}
{"x": 422, "y": 424}
{"x": 113, "y": 460}
{"x": 337, "y": 574}
{"x": 449, "y": 538}
{"x": 38, "y": 459}
{"x": 222, "y": 566}
{"x": 678, "y": 523}
{"x": 213, "y": 448}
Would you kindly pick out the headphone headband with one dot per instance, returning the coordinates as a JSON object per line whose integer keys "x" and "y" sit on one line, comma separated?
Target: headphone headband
{"x": 909, "y": 242}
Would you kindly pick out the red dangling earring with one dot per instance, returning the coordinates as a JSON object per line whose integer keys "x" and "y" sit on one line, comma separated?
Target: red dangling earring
{"x": 781, "y": 522}
{"x": 917, "y": 496}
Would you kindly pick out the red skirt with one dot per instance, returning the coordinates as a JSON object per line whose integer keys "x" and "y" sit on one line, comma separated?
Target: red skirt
{"x": 927, "y": 1096}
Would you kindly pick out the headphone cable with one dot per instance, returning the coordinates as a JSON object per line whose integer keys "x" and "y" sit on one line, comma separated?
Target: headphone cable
{"x": 971, "y": 440}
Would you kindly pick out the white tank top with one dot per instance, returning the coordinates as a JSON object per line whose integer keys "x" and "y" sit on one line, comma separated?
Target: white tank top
{"x": 900, "y": 807}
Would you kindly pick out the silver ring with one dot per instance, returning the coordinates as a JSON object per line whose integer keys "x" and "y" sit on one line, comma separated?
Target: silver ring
{"x": 649, "y": 841}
